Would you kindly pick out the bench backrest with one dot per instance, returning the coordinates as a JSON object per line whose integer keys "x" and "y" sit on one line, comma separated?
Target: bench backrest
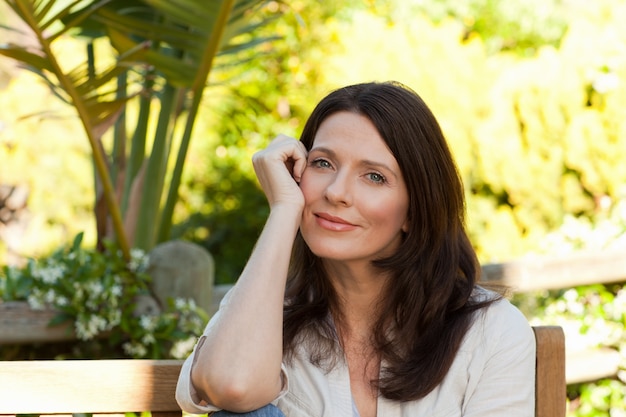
{"x": 550, "y": 387}
{"x": 89, "y": 386}
{"x": 129, "y": 385}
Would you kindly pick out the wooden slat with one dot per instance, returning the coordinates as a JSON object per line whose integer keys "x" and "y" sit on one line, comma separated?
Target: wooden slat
{"x": 117, "y": 386}
{"x": 88, "y": 386}
{"x": 591, "y": 365}
{"x": 540, "y": 273}
{"x": 20, "y": 324}
{"x": 550, "y": 388}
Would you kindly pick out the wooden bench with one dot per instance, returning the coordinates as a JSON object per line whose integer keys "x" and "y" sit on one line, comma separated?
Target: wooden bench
{"x": 20, "y": 324}
{"x": 129, "y": 385}
{"x": 539, "y": 273}
{"x": 550, "y": 387}
{"x": 89, "y": 386}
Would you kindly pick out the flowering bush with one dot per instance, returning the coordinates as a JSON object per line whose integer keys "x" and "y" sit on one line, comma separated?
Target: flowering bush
{"x": 591, "y": 315}
{"x": 103, "y": 295}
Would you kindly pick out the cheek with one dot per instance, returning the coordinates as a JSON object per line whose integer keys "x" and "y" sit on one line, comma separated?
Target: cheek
{"x": 307, "y": 186}
{"x": 390, "y": 212}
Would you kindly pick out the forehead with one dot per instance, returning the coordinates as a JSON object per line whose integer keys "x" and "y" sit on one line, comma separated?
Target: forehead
{"x": 352, "y": 132}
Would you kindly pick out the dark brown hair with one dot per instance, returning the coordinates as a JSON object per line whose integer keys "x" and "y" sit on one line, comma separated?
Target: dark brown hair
{"x": 427, "y": 309}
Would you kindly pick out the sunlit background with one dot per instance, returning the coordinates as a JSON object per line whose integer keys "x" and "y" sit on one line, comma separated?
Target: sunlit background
{"x": 531, "y": 95}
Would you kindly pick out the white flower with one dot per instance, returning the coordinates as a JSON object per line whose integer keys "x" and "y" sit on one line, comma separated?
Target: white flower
{"x": 180, "y": 303}
{"x": 115, "y": 318}
{"x": 116, "y": 290}
{"x": 148, "y": 323}
{"x": 185, "y": 304}
{"x": 148, "y": 339}
{"x": 606, "y": 82}
{"x": 134, "y": 349}
{"x": 86, "y": 331}
{"x": 137, "y": 253}
{"x": 51, "y": 274}
{"x": 96, "y": 288}
{"x": 82, "y": 331}
{"x": 61, "y": 301}
{"x": 50, "y": 296}
{"x": 182, "y": 348}
{"x": 138, "y": 260}
{"x": 617, "y": 412}
{"x": 34, "y": 301}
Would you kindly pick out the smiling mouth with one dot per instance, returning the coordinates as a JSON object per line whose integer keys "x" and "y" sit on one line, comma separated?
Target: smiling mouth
{"x": 333, "y": 223}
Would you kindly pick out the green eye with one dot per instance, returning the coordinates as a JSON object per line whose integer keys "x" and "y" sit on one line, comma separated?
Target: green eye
{"x": 376, "y": 177}
{"x": 321, "y": 163}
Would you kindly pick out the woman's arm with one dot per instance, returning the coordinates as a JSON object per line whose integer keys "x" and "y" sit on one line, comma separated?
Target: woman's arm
{"x": 238, "y": 365}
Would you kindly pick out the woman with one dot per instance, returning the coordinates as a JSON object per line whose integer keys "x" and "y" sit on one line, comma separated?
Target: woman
{"x": 360, "y": 297}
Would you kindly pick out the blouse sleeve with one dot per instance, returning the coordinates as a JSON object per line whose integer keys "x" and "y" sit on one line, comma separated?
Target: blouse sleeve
{"x": 186, "y": 394}
{"x": 505, "y": 383}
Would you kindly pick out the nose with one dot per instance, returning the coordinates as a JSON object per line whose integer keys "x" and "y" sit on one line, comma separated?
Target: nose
{"x": 339, "y": 190}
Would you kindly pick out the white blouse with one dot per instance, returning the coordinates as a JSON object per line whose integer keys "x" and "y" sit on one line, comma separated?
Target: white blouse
{"x": 493, "y": 375}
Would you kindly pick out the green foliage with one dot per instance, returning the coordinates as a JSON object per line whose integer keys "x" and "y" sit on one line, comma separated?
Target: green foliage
{"x": 56, "y": 154}
{"x": 591, "y": 316}
{"x": 224, "y": 209}
{"x": 101, "y": 296}
{"x": 530, "y": 94}
{"x": 604, "y": 398}
{"x": 171, "y": 47}
{"x": 522, "y": 26}
{"x": 536, "y": 138}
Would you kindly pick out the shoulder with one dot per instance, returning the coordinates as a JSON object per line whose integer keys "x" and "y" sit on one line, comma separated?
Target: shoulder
{"x": 500, "y": 323}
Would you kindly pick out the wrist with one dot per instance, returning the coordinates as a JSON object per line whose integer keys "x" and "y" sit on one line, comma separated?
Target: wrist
{"x": 286, "y": 214}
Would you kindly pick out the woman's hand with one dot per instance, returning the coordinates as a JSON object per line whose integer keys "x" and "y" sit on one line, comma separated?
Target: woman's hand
{"x": 279, "y": 168}
{"x": 238, "y": 366}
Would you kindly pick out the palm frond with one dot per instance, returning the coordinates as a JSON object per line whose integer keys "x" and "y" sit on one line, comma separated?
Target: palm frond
{"x": 44, "y": 18}
{"x": 179, "y": 32}
{"x": 26, "y": 57}
{"x": 196, "y": 14}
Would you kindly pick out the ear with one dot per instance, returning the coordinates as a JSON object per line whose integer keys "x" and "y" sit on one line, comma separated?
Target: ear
{"x": 405, "y": 225}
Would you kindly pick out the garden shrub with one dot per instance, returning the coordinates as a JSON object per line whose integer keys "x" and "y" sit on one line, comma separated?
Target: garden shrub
{"x": 105, "y": 300}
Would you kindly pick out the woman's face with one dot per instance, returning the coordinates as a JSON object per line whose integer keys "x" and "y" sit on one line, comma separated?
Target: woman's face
{"x": 356, "y": 201}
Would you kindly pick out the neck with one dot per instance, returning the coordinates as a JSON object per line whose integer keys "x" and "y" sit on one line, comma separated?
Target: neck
{"x": 359, "y": 289}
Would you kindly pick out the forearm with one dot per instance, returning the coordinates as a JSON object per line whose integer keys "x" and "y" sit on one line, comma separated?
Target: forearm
{"x": 238, "y": 366}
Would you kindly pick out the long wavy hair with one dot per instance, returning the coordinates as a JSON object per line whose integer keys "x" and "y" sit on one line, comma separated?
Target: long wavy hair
{"x": 427, "y": 306}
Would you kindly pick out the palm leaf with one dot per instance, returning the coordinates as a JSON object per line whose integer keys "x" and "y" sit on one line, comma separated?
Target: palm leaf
{"x": 179, "y": 32}
{"x": 176, "y": 40}
{"x": 43, "y": 17}
{"x": 25, "y": 57}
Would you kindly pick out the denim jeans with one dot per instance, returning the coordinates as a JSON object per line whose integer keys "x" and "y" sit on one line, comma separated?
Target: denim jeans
{"x": 267, "y": 411}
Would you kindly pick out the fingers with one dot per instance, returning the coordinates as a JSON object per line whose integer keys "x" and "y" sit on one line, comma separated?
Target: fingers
{"x": 287, "y": 150}
{"x": 279, "y": 167}
{"x": 300, "y": 162}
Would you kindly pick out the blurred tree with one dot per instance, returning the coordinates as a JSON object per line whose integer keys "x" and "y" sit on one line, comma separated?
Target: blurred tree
{"x": 171, "y": 47}
{"x": 535, "y": 138}
{"x": 225, "y": 209}
{"x": 522, "y": 26}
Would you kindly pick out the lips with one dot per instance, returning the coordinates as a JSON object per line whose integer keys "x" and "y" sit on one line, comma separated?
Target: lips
{"x": 333, "y": 223}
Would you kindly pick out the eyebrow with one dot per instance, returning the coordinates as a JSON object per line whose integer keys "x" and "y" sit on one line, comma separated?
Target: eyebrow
{"x": 364, "y": 162}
